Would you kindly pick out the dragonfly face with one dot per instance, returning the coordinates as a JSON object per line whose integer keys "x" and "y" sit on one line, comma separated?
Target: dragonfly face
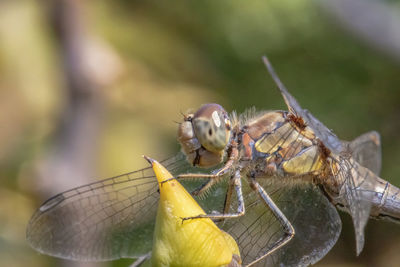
{"x": 204, "y": 135}
{"x": 294, "y": 171}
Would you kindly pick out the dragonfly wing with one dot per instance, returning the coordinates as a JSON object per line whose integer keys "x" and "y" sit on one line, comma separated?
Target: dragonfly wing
{"x": 357, "y": 194}
{"x": 104, "y": 220}
{"x": 366, "y": 150}
{"x": 315, "y": 220}
{"x": 329, "y": 139}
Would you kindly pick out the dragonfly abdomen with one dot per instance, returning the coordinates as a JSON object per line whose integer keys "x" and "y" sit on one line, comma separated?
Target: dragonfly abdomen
{"x": 386, "y": 201}
{"x": 352, "y": 184}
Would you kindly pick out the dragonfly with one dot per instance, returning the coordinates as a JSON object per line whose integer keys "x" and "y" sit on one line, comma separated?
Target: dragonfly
{"x": 273, "y": 180}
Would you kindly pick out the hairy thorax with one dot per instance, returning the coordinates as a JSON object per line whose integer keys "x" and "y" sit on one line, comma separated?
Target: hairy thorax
{"x": 282, "y": 145}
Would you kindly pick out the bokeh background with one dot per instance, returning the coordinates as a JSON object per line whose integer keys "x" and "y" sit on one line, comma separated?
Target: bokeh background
{"x": 87, "y": 87}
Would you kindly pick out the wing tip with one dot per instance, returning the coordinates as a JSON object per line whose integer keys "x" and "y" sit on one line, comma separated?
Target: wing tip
{"x": 52, "y": 202}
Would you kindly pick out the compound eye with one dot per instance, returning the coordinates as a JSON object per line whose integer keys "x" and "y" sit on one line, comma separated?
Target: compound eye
{"x": 211, "y": 127}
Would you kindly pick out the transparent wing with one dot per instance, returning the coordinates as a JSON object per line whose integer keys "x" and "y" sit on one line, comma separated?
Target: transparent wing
{"x": 358, "y": 182}
{"x": 329, "y": 139}
{"x": 104, "y": 220}
{"x": 315, "y": 220}
{"x": 356, "y": 186}
{"x": 366, "y": 150}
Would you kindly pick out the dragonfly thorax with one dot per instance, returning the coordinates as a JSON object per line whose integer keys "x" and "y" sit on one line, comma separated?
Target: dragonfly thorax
{"x": 283, "y": 147}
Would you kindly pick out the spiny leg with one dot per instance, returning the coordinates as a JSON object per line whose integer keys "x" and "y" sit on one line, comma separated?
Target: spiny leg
{"x": 228, "y": 199}
{"x": 141, "y": 260}
{"x": 288, "y": 228}
{"x": 213, "y": 178}
{"x": 237, "y": 184}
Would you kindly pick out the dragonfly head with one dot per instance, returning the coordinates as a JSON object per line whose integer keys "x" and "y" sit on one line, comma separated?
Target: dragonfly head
{"x": 205, "y": 134}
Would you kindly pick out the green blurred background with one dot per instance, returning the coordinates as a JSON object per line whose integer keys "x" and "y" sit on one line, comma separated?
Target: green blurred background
{"x": 144, "y": 63}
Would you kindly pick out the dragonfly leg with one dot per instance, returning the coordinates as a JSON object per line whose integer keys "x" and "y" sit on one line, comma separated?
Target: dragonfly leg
{"x": 204, "y": 187}
{"x": 288, "y": 227}
{"x": 233, "y": 155}
{"x": 237, "y": 184}
{"x": 228, "y": 197}
{"x": 139, "y": 261}
{"x": 212, "y": 178}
